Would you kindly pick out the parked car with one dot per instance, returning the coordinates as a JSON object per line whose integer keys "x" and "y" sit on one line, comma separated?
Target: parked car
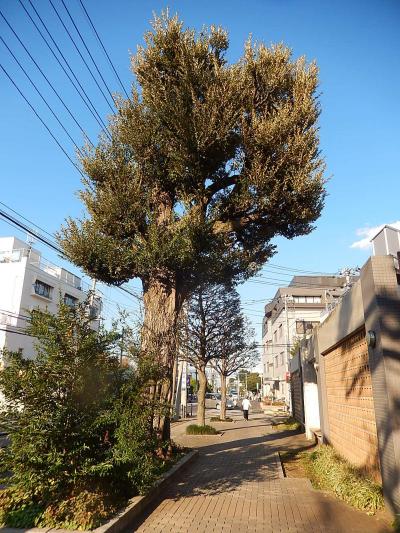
{"x": 213, "y": 401}
{"x": 230, "y": 404}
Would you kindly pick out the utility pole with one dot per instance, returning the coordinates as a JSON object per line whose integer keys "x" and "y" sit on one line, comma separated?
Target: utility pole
{"x": 287, "y": 354}
{"x": 92, "y": 292}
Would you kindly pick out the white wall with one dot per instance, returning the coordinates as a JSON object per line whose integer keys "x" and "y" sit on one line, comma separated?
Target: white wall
{"x": 17, "y": 294}
{"x": 279, "y": 349}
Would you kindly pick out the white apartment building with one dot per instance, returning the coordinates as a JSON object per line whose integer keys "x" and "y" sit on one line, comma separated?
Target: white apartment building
{"x": 291, "y": 315}
{"x": 28, "y": 282}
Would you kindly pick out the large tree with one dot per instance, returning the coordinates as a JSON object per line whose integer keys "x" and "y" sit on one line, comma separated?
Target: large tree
{"x": 205, "y": 164}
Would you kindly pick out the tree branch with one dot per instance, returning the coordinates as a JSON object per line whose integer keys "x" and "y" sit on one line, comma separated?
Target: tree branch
{"x": 220, "y": 185}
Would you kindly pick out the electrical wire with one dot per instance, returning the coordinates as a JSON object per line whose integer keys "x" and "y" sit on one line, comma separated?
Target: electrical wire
{"x": 104, "y": 49}
{"x": 88, "y": 51}
{"x": 41, "y": 95}
{"x": 43, "y": 74}
{"x": 80, "y": 55}
{"x": 85, "y": 98}
{"x": 26, "y": 219}
{"x": 41, "y": 120}
{"x": 16, "y": 332}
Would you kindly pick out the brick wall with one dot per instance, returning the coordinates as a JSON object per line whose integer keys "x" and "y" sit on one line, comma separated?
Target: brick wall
{"x": 297, "y": 396}
{"x": 350, "y": 404}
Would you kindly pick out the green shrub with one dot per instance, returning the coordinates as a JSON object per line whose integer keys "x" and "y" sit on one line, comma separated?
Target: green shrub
{"x": 81, "y": 435}
{"x": 194, "y": 429}
{"x": 328, "y": 471}
{"x": 289, "y": 424}
{"x": 217, "y": 419}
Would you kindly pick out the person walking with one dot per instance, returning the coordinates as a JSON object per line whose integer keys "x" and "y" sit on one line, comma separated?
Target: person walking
{"x": 246, "y": 407}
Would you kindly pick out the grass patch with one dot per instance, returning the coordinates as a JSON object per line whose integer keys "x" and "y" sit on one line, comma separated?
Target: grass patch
{"x": 289, "y": 424}
{"x": 194, "y": 429}
{"x": 328, "y": 471}
{"x": 217, "y": 419}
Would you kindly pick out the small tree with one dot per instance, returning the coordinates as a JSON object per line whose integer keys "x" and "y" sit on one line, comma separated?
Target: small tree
{"x": 206, "y": 163}
{"x": 238, "y": 348}
{"x": 216, "y": 333}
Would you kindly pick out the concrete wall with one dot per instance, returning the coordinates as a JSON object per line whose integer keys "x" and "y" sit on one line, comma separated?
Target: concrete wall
{"x": 359, "y": 385}
{"x": 381, "y": 298}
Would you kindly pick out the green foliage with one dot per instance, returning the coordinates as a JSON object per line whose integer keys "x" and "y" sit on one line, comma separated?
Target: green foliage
{"x": 194, "y": 429}
{"x": 208, "y": 162}
{"x": 328, "y": 471}
{"x": 81, "y": 435}
{"x": 252, "y": 379}
{"x": 289, "y": 424}
{"x": 54, "y": 413}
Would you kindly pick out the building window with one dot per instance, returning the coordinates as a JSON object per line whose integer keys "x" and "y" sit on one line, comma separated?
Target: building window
{"x": 276, "y": 361}
{"x": 282, "y": 356}
{"x": 42, "y": 289}
{"x": 69, "y": 300}
{"x": 280, "y": 331}
{"x": 275, "y": 336}
{"x": 304, "y": 327}
{"x": 307, "y": 299}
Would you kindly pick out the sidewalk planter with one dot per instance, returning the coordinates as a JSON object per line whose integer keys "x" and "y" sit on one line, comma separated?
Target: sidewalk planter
{"x": 133, "y": 511}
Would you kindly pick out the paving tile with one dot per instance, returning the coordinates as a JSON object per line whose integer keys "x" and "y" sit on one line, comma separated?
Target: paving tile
{"x": 235, "y": 486}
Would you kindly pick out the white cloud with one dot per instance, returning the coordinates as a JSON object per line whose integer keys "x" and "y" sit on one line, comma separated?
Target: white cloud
{"x": 367, "y": 233}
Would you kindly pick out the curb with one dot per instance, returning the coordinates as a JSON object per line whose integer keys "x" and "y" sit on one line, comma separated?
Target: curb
{"x": 132, "y": 512}
{"x": 281, "y": 473}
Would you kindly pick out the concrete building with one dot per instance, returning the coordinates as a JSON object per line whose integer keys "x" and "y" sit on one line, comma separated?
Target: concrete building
{"x": 292, "y": 314}
{"x": 28, "y": 282}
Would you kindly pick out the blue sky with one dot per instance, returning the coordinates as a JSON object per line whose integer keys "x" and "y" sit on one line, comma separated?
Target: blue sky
{"x": 356, "y": 45}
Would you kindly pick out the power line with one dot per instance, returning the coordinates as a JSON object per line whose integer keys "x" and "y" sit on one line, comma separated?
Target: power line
{"x": 104, "y": 49}
{"x": 41, "y": 95}
{"x": 81, "y": 56}
{"x": 44, "y": 240}
{"x": 299, "y": 270}
{"x": 88, "y": 103}
{"x": 56, "y": 248}
{"x": 40, "y": 118}
{"x": 88, "y": 51}
{"x": 16, "y": 332}
{"x": 44, "y": 75}
{"x": 26, "y": 219}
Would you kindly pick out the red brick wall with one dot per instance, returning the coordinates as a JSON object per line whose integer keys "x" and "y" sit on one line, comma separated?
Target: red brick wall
{"x": 351, "y": 415}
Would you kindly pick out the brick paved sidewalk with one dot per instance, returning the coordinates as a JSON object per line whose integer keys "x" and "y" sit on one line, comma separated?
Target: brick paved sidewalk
{"x": 236, "y": 486}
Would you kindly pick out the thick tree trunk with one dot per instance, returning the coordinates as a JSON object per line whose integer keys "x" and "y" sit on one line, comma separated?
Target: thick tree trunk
{"x": 223, "y": 397}
{"x": 162, "y": 304}
{"x": 201, "y": 397}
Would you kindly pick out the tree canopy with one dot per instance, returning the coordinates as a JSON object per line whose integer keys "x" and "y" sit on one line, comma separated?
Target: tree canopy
{"x": 205, "y": 163}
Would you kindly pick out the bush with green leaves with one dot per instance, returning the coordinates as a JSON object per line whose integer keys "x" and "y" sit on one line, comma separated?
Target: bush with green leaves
{"x": 195, "y": 429}
{"x": 81, "y": 435}
{"x": 328, "y": 471}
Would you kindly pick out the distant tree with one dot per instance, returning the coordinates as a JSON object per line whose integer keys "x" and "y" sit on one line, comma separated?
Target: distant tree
{"x": 238, "y": 348}
{"x": 253, "y": 378}
{"x": 204, "y": 165}
{"x": 214, "y": 332}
